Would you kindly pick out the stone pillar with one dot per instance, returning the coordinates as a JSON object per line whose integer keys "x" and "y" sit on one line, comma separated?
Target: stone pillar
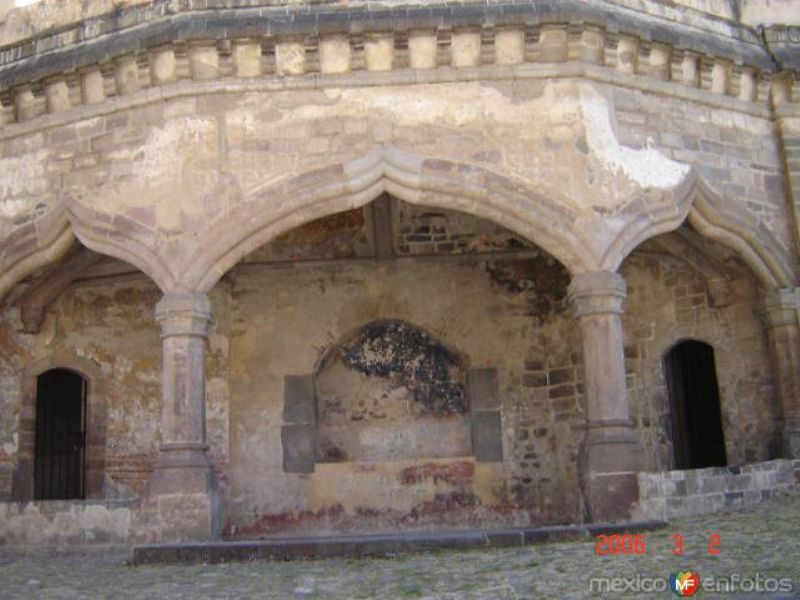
{"x": 781, "y": 321}
{"x": 182, "y": 485}
{"x": 610, "y": 453}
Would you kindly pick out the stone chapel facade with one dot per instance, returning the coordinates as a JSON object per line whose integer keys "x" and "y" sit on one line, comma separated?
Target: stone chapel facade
{"x": 288, "y": 268}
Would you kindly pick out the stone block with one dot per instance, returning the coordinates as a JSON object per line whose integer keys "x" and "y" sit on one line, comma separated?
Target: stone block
{"x": 734, "y": 499}
{"x": 299, "y": 444}
{"x": 25, "y": 104}
{"x": 187, "y": 517}
{"x": 57, "y": 95}
{"x": 247, "y": 58}
{"x": 713, "y": 502}
{"x": 610, "y": 496}
{"x": 649, "y": 486}
{"x": 752, "y": 497}
{"x": 92, "y": 86}
{"x": 482, "y": 389}
{"x": 487, "y": 440}
{"x": 334, "y": 53}
{"x": 299, "y": 402}
{"x": 127, "y": 75}
{"x": 676, "y": 507}
{"x": 422, "y": 49}
{"x": 553, "y": 43}
{"x": 290, "y": 58}
{"x": 720, "y": 77}
{"x": 592, "y": 46}
{"x": 712, "y": 485}
{"x": 379, "y": 51}
{"x": 737, "y": 483}
{"x": 668, "y": 488}
{"x": 466, "y": 48}
{"x": 694, "y": 486}
{"x": 204, "y": 61}
{"x": 690, "y": 69}
{"x": 628, "y": 55}
{"x": 162, "y": 65}
{"x": 509, "y": 46}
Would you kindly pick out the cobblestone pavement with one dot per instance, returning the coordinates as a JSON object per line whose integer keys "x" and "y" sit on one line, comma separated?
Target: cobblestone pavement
{"x": 764, "y": 541}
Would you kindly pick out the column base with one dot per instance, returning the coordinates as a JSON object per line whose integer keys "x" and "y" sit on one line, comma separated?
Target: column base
{"x": 182, "y": 489}
{"x": 791, "y": 443}
{"x": 193, "y": 517}
{"x": 610, "y": 457}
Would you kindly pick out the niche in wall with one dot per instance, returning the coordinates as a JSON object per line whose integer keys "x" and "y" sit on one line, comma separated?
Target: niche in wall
{"x": 391, "y": 392}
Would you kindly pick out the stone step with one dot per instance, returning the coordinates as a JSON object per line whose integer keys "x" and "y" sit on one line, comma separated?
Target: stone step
{"x": 377, "y": 545}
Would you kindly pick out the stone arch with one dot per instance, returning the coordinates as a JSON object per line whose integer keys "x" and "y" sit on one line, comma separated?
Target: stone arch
{"x": 33, "y": 246}
{"x": 280, "y": 206}
{"x": 96, "y": 413}
{"x": 123, "y": 238}
{"x": 48, "y": 239}
{"x": 696, "y": 203}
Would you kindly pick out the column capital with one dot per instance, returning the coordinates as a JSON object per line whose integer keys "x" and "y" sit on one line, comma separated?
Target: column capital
{"x": 780, "y": 307}
{"x": 597, "y": 292}
{"x": 184, "y": 314}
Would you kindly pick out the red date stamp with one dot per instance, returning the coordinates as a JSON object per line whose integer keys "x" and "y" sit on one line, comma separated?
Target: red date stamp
{"x": 627, "y": 543}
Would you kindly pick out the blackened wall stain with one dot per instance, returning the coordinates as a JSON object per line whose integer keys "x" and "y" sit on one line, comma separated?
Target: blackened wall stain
{"x": 340, "y": 235}
{"x": 542, "y": 280}
{"x": 411, "y": 358}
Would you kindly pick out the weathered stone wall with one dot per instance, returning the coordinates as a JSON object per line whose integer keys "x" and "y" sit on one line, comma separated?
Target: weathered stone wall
{"x": 200, "y": 166}
{"x": 736, "y": 153}
{"x": 669, "y": 302}
{"x": 673, "y": 494}
{"x": 112, "y": 326}
{"x": 508, "y": 311}
{"x": 187, "y": 150}
{"x": 285, "y": 319}
{"x": 63, "y": 524}
{"x": 502, "y": 312}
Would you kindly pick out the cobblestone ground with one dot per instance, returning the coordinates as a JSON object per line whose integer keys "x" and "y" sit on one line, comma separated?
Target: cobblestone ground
{"x": 763, "y": 541}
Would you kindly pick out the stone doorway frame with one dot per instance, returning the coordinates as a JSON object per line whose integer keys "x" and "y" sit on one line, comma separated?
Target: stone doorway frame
{"x": 96, "y": 413}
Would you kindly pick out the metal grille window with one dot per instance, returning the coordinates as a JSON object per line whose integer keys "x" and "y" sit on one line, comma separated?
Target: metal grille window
{"x": 60, "y": 436}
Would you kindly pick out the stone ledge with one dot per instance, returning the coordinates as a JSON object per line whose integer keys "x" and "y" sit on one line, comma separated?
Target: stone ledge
{"x": 330, "y": 16}
{"x": 312, "y": 81}
{"x": 382, "y": 545}
{"x": 86, "y": 71}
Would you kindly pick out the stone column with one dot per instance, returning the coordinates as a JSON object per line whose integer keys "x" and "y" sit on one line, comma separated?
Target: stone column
{"x": 781, "y": 322}
{"x": 182, "y": 484}
{"x": 611, "y": 453}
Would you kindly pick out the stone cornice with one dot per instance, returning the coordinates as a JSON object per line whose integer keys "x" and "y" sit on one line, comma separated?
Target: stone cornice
{"x": 230, "y": 85}
{"x": 374, "y": 50}
{"x": 655, "y": 16}
{"x": 784, "y": 43}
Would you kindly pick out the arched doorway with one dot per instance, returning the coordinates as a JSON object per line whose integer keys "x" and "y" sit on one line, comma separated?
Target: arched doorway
{"x": 697, "y": 436}
{"x": 59, "y": 463}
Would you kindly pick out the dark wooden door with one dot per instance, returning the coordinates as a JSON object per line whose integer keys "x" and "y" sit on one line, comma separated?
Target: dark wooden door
{"x": 60, "y": 433}
{"x": 697, "y": 436}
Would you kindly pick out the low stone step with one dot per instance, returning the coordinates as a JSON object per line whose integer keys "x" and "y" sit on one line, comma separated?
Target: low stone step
{"x": 378, "y": 545}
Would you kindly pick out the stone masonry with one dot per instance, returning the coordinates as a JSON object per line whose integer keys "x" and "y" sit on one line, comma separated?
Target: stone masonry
{"x": 364, "y": 267}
